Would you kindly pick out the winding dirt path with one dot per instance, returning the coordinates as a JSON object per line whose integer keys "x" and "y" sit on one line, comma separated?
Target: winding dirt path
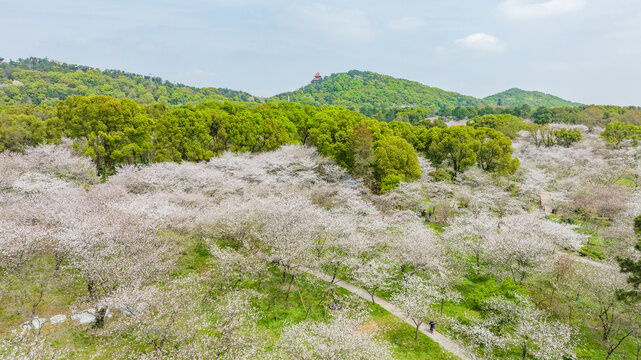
{"x": 446, "y": 343}
{"x": 591, "y": 262}
{"x": 546, "y": 198}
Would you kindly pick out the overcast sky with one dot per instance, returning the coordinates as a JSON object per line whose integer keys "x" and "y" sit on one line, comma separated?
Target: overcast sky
{"x": 583, "y": 50}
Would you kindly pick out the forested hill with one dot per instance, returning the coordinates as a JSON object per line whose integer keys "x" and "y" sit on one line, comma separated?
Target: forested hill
{"x": 46, "y": 82}
{"x": 368, "y": 92}
{"x": 43, "y": 81}
{"x": 517, "y": 97}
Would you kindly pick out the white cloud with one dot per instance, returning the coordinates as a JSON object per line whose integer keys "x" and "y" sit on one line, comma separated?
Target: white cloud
{"x": 343, "y": 24}
{"x": 526, "y": 9}
{"x": 408, "y": 23}
{"x": 482, "y": 42}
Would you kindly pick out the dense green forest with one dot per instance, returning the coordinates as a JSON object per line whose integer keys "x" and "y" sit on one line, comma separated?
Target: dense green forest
{"x": 114, "y": 132}
{"x": 593, "y": 115}
{"x": 369, "y": 93}
{"x": 46, "y": 82}
{"x": 142, "y": 121}
{"x": 42, "y": 81}
{"x": 588, "y": 115}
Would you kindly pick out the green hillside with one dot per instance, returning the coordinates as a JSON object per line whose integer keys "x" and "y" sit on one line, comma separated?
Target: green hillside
{"x": 518, "y": 97}
{"x": 366, "y": 91}
{"x": 43, "y": 81}
{"x": 369, "y": 92}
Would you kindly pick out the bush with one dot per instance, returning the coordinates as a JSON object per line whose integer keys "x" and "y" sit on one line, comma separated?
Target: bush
{"x": 567, "y": 137}
{"x": 441, "y": 175}
{"x": 487, "y": 287}
{"x": 508, "y": 124}
{"x": 390, "y": 182}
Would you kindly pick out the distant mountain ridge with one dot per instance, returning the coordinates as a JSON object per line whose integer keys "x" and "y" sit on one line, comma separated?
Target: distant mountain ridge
{"x": 365, "y": 91}
{"x": 518, "y": 97}
{"x": 45, "y": 81}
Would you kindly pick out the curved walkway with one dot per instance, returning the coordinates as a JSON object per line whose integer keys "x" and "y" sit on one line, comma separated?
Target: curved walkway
{"x": 446, "y": 343}
{"x": 595, "y": 263}
{"x": 546, "y": 198}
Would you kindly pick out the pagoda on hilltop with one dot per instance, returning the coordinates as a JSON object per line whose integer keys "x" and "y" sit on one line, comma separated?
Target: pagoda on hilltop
{"x": 316, "y": 78}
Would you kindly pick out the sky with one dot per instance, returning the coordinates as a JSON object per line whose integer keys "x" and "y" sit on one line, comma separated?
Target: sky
{"x": 587, "y": 51}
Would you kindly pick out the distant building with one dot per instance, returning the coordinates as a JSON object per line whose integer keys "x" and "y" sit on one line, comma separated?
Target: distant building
{"x": 316, "y": 78}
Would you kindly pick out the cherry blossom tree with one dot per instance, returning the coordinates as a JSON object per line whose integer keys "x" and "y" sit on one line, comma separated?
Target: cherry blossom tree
{"x": 21, "y": 237}
{"x": 230, "y": 269}
{"x": 289, "y": 229}
{"x": 107, "y": 248}
{"x": 177, "y": 322}
{"x": 601, "y": 287}
{"x": 48, "y": 162}
{"x": 471, "y": 236}
{"x": 600, "y": 201}
{"x": 479, "y": 338}
{"x": 507, "y": 323}
{"x": 413, "y": 244}
{"x": 343, "y": 337}
{"x": 417, "y": 298}
{"x": 444, "y": 281}
{"x": 557, "y": 289}
{"x": 26, "y": 280}
{"x": 164, "y": 319}
{"x": 375, "y": 274}
{"x": 523, "y": 243}
{"x": 531, "y": 328}
{"x": 29, "y": 346}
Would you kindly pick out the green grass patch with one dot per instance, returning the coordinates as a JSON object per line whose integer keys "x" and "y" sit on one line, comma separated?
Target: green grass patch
{"x": 401, "y": 336}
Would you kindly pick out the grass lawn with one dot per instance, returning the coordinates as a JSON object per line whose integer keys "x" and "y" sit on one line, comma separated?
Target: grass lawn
{"x": 401, "y": 335}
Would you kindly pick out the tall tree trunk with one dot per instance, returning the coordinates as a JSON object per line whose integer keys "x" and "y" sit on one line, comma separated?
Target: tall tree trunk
{"x": 334, "y": 275}
{"x": 91, "y": 290}
{"x": 100, "y": 317}
{"x": 59, "y": 259}
{"x": 607, "y": 356}
{"x": 289, "y": 288}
